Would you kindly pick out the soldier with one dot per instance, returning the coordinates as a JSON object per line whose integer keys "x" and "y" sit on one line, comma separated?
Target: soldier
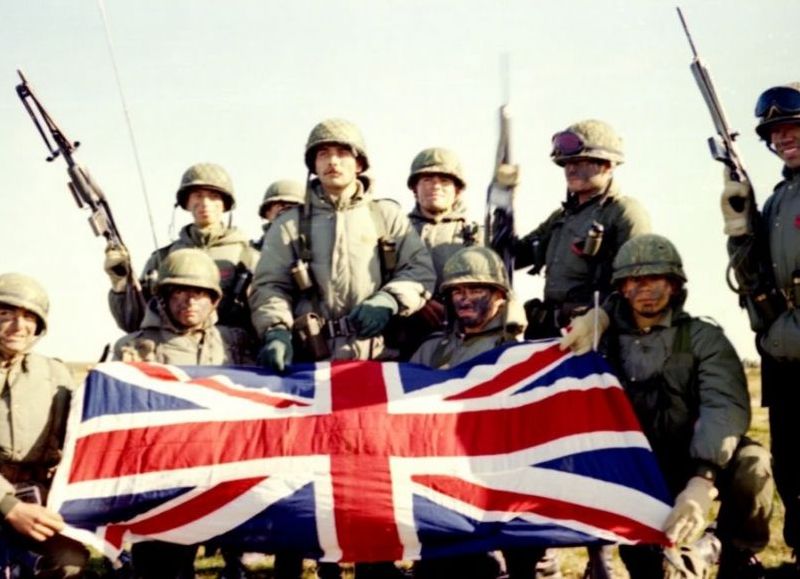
{"x": 280, "y": 196}
{"x": 34, "y": 402}
{"x": 206, "y": 192}
{"x": 439, "y": 217}
{"x": 475, "y": 286}
{"x": 578, "y": 242}
{"x": 688, "y": 389}
{"x": 338, "y": 267}
{"x": 765, "y": 256}
{"x": 180, "y": 328}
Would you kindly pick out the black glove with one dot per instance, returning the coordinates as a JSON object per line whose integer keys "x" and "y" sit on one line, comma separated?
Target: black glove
{"x": 277, "y": 352}
{"x": 371, "y": 316}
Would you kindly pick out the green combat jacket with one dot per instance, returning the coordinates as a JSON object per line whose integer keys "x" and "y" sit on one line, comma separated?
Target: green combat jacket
{"x": 228, "y": 247}
{"x": 160, "y": 341}
{"x": 34, "y": 403}
{"x": 687, "y": 386}
{"x": 571, "y": 277}
{"x": 446, "y": 350}
{"x": 778, "y": 263}
{"x": 445, "y": 236}
{"x": 345, "y": 265}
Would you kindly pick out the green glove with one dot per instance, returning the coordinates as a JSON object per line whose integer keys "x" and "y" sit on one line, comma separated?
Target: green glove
{"x": 277, "y": 352}
{"x": 371, "y": 316}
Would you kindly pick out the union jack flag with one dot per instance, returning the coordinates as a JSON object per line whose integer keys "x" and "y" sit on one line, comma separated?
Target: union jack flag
{"x": 361, "y": 461}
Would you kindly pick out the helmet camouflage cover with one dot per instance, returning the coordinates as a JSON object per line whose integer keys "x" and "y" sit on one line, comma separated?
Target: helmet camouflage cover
{"x": 648, "y": 254}
{"x": 439, "y": 161}
{"x": 208, "y": 176}
{"x": 598, "y": 141}
{"x": 189, "y": 267}
{"x": 475, "y": 265}
{"x": 286, "y": 191}
{"x": 775, "y": 105}
{"x": 22, "y": 291}
{"x": 340, "y": 132}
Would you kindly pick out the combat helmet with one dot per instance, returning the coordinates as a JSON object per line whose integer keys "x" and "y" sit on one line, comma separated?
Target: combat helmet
{"x": 336, "y": 131}
{"x": 778, "y": 104}
{"x": 208, "y": 176}
{"x": 648, "y": 254}
{"x": 286, "y": 191}
{"x": 438, "y": 161}
{"x": 24, "y": 292}
{"x": 589, "y": 139}
{"x": 189, "y": 267}
{"x": 475, "y": 265}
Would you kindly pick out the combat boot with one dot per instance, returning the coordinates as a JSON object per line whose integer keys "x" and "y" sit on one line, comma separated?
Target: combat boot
{"x": 739, "y": 564}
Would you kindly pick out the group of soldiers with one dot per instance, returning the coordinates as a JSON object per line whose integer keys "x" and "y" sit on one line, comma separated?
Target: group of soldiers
{"x": 342, "y": 275}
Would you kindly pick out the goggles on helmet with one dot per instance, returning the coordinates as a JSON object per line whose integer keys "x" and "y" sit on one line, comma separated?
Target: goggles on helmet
{"x": 780, "y": 100}
{"x": 566, "y": 144}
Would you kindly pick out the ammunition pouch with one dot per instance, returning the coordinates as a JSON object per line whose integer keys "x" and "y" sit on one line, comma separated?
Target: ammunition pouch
{"x": 387, "y": 250}
{"x": 765, "y": 305}
{"x": 310, "y": 339}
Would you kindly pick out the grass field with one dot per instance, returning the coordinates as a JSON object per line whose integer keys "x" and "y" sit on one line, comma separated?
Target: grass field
{"x": 775, "y": 558}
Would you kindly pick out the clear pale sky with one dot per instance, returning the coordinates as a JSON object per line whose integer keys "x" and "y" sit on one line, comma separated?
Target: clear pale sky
{"x": 242, "y": 83}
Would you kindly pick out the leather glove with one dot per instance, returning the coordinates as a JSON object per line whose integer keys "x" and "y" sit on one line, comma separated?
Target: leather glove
{"x": 582, "y": 330}
{"x": 277, "y": 351}
{"x": 735, "y": 194}
{"x": 117, "y": 265}
{"x": 687, "y": 520}
{"x": 371, "y": 316}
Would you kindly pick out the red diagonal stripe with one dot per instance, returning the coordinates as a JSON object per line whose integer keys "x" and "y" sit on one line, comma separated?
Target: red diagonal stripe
{"x": 367, "y": 431}
{"x": 156, "y": 371}
{"x": 186, "y": 512}
{"x": 537, "y": 361}
{"x": 256, "y": 396}
{"x": 489, "y": 499}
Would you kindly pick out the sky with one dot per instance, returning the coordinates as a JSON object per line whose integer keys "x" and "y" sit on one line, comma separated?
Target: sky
{"x": 241, "y": 83}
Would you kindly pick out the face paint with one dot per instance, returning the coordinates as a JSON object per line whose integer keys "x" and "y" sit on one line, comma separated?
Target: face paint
{"x": 474, "y": 305}
{"x": 648, "y": 295}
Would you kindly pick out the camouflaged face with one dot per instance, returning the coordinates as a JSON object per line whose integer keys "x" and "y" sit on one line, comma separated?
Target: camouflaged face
{"x": 189, "y": 267}
{"x": 648, "y": 254}
{"x": 436, "y": 160}
{"x": 339, "y": 131}
{"x": 478, "y": 265}
{"x": 22, "y": 291}
{"x": 209, "y": 176}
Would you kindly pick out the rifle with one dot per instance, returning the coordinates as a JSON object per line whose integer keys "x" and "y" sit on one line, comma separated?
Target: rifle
{"x": 765, "y": 296}
{"x": 83, "y": 188}
{"x": 499, "y": 218}
{"x": 723, "y": 147}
